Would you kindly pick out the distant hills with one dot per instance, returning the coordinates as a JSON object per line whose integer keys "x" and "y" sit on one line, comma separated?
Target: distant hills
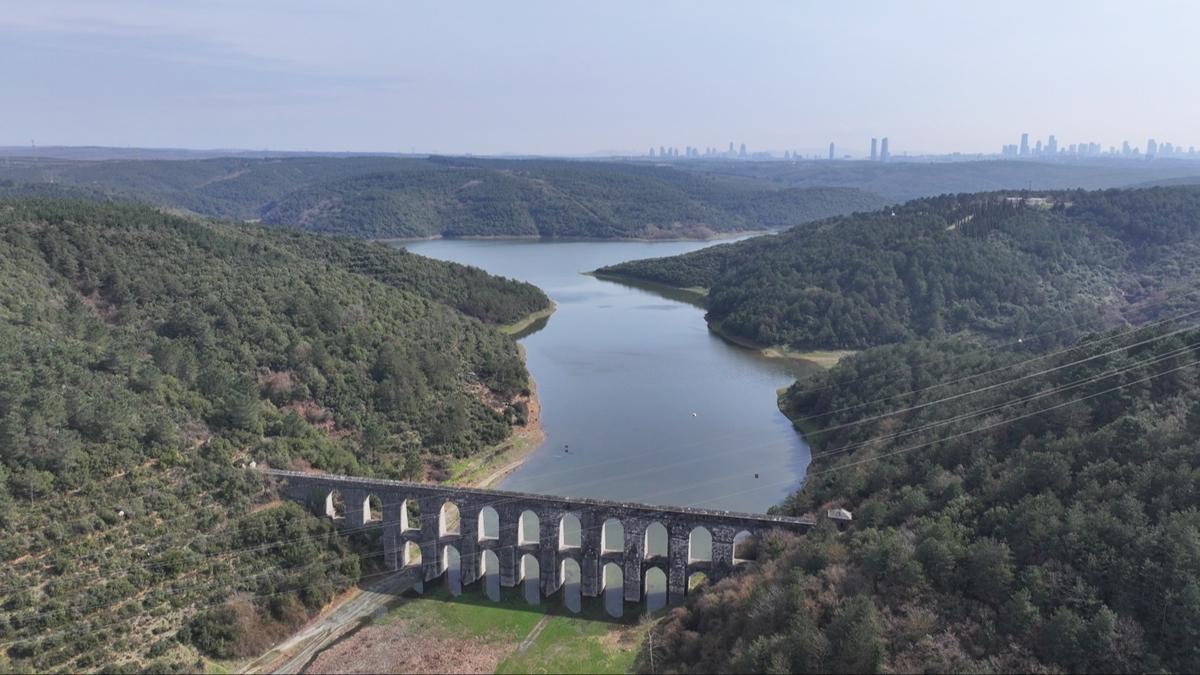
{"x": 901, "y": 181}
{"x": 402, "y": 197}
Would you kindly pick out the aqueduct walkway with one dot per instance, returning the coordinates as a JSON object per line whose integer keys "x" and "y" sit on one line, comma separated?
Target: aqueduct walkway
{"x": 414, "y": 515}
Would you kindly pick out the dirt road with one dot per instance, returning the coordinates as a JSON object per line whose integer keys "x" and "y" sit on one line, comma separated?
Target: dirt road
{"x": 293, "y": 654}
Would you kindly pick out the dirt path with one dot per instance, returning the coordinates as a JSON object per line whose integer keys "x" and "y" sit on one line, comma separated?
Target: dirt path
{"x": 533, "y": 633}
{"x": 293, "y": 654}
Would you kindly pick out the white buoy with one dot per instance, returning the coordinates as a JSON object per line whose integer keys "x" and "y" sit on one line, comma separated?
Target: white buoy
{"x": 695, "y": 415}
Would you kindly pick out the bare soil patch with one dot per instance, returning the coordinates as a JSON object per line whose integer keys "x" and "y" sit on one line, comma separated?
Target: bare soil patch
{"x": 400, "y": 648}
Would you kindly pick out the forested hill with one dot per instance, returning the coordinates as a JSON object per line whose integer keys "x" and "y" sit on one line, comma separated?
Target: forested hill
{"x": 408, "y": 197}
{"x": 901, "y": 181}
{"x": 1049, "y": 268}
{"x": 1003, "y": 521}
{"x": 145, "y": 357}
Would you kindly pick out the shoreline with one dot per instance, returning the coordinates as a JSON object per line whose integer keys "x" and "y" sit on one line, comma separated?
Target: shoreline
{"x": 825, "y": 359}
{"x": 497, "y": 462}
{"x": 519, "y": 326}
{"x": 718, "y": 236}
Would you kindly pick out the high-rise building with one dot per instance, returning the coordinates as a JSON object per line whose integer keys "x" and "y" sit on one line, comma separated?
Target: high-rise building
{"x": 830, "y": 149}
{"x": 742, "y": 151}
{"x": 1125, "y": 149}
{"x": 1052, "y": 145}
{"x": 1151, "y": 149}
{"x": 1024, "y": 144}
{"x": 874, "y": 149}
{"x": 662, "y": 151}
{"x": 652, "y": 151}
{"x": 883, "y": 150}
{"x": 1037, "y": 149}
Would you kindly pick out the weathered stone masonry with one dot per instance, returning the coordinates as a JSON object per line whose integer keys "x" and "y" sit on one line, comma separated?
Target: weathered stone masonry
{"x": 315, "y": 489}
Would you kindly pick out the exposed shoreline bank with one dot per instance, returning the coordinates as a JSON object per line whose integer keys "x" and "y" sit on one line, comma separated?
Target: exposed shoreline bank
{"x": 519, "y": 326}
{"x": 491, "y": 466}
{"x": 717, "y": 236}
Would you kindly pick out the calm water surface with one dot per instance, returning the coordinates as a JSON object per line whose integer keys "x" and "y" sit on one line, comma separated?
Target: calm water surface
{"x": 651, "y": 406}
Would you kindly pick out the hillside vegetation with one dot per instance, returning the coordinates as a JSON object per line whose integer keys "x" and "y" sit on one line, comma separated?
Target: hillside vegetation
{"x": 456, "y": 197}
{"x": 978, "y": 264}
{"x": 900, "y": 181}
{"x": 1049, "y": 524}
{"x": 147, "y": 358}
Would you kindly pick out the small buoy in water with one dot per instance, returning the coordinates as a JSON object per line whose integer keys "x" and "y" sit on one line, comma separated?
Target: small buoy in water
{"x": 695, "y": 415}
{"x": 756, "y": 475}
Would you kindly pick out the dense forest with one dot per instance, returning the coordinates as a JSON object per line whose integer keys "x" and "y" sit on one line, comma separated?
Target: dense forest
{"x": 383, "y": 197}
{"x": 1013, "y": 511}
{"x": 1046, "y": 268}
{"x": 148, "y": 358}
{"x": 901, "y": 180}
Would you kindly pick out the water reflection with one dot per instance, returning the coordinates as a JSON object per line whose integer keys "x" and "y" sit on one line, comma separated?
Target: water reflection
{"x": 614, "y": 590}
{"x": 531, "y": 576}
{"x": 452, "y": 565}
{"x": 490, "y": 568}
{"x": 571, "y": 590}
{"x": 656, "y": 589}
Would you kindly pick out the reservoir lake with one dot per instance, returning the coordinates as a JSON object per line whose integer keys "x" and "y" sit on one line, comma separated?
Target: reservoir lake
{"x": 640, "y": 402}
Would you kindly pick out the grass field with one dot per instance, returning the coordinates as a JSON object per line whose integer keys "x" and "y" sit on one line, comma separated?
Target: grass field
{"x": 545, "y": 638}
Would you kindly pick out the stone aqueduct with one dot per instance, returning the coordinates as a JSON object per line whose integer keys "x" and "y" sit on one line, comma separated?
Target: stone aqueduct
{"x": 433, "y": 534}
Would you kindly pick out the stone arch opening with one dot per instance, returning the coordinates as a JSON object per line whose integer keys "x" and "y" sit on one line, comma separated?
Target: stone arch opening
{"x": 451, "y": 564}
{"x": 530, "y": 576}
{"x": 489, "y": 524}
{"x": 570, "y": 578}
{"x": 528, "y": 568}
{"x": 412, "y": 554}
{"x": 489, "y": 571}
{"x": 372, "y": 509}
{"x": 528, "y": 528}
{"x": 449, "y": 520}
{"x": 700, "y": 545}
{"x": 570, "y": 532}
{"x": 745, "y": 547}
{"x": 335, "y": 506}
{"x": 489, "y": 563}
{"x": 696, "y": 582}
{"x": 410, "y": 515}
{"x": 612, "y": 584}
{"x": 654, "y": 589}
{"x": 612, "y": 536}
{"x": 655, "y": 545}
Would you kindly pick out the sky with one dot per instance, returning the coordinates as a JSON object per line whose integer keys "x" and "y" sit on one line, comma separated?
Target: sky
{"x": 570, "y": 77}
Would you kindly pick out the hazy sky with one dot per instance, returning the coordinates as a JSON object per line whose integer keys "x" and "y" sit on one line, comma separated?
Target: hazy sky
{"x": 566, "y": 77}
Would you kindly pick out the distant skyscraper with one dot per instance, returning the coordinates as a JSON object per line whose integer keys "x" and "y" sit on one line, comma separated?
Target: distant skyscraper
{"x": 1024, "y": 144}
{"x": 1125, "y": 149}
{"x": 1151, "y": 148}
{"x": 883, "y": 150}
{"x": 742, "y": 151}
{"x": 662, "y": 152}
{"x": 830, "y": 149}
{"x": 731, "y": 148}
{"x": 874, "y": 149}
{"x": 1037, "y": 149}
{"x": 1052, "y": 145}
{"x": 652, "y": 151}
